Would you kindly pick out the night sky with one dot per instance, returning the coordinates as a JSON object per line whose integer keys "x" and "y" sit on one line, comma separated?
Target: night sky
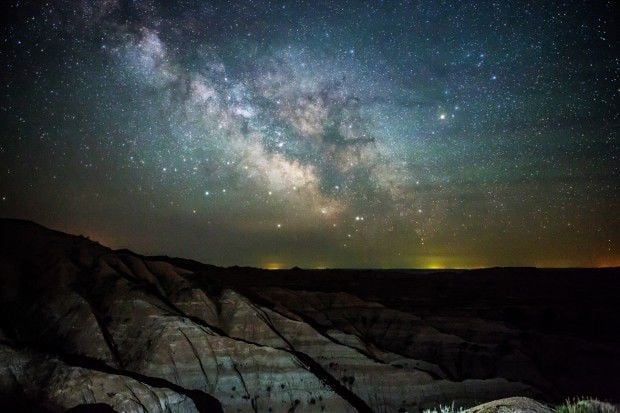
{"x": 319, "y": 134}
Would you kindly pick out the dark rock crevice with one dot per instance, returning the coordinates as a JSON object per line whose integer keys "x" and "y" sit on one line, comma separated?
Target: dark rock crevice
{"x": 305, "y": 360}
{"x": 204, "y": 402}
{"x": 197, "y": 356}
{"x": 315, "y": 368}
{"x": 245, "y": 388}
{"x": 107, "y": 336}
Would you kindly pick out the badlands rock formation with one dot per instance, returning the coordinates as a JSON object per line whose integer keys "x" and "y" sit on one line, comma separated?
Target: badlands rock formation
{"x": 87, "y": 328}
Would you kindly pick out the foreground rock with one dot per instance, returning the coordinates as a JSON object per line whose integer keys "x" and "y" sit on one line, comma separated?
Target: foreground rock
{"x": 511, "y": 405}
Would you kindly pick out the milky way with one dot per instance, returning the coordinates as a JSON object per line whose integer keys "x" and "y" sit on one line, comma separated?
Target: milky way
{"x": 318, "y": 134}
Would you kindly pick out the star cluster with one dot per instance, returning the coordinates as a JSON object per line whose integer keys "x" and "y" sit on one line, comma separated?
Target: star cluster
{"x": 319, "y": 133}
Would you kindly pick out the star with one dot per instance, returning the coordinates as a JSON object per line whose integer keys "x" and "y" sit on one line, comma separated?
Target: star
{"x": 347, "y": 121}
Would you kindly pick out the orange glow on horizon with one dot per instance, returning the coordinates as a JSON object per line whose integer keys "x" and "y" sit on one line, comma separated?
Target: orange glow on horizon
{"x": 272, "y": 265}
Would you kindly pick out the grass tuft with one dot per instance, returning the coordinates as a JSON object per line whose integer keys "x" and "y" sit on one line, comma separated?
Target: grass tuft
{"x": 445, "y": 409}
{"x": 585, "y": 406}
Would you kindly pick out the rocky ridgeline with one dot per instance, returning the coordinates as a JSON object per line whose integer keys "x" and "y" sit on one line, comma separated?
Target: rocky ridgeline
{"x": 84, "y": 326}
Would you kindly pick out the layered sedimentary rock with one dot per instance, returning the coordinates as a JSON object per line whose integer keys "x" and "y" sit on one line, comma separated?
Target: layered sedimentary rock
{"x": 37, "y": 382}
{"x": 84, "y": 326}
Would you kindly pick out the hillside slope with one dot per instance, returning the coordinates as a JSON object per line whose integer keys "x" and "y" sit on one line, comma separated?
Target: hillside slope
{"x": 84, "y": 326}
